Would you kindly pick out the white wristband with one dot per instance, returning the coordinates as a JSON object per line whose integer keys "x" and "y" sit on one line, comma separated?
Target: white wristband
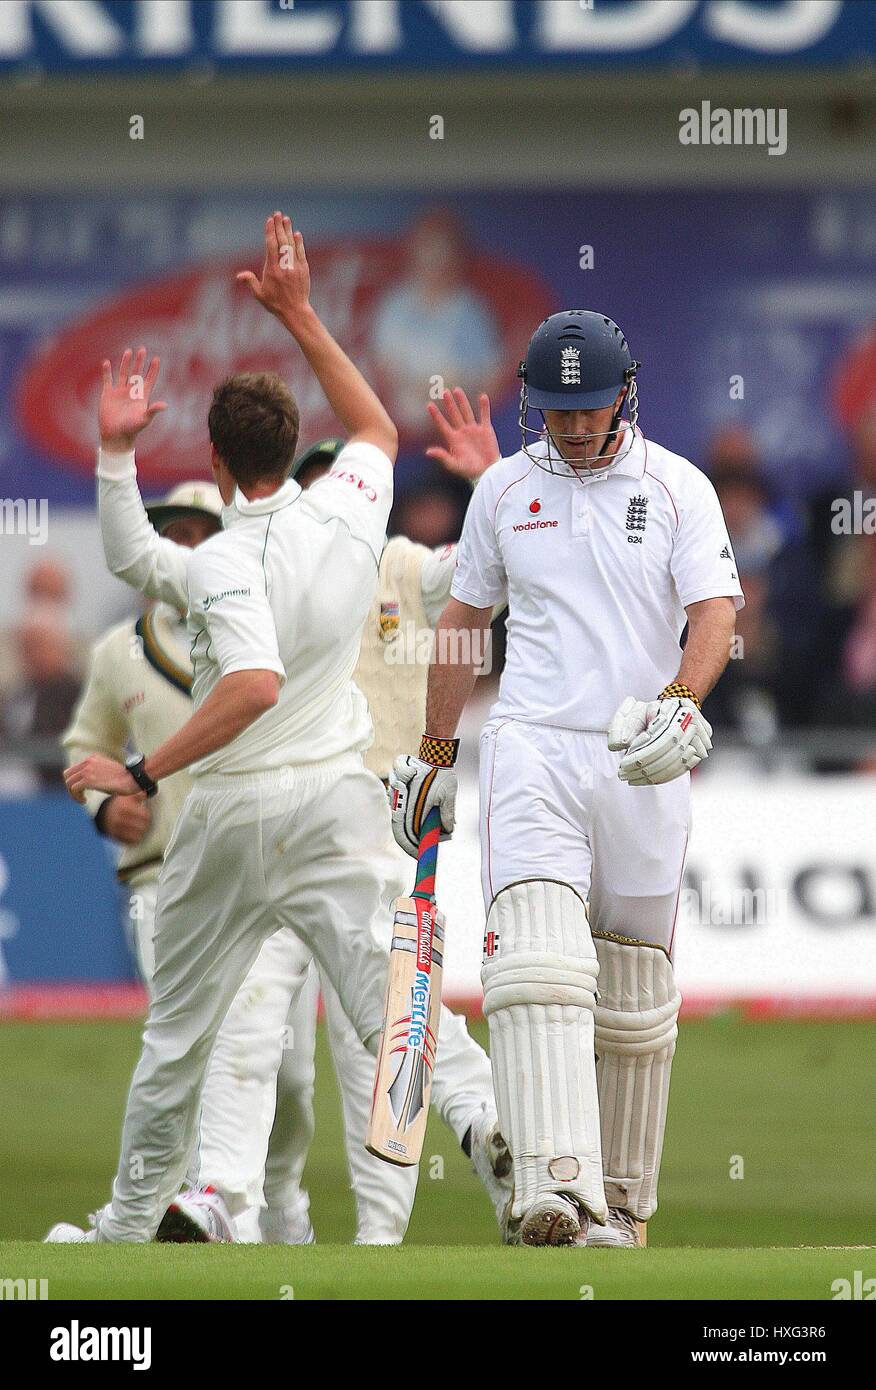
{"x": 115, "y": 468}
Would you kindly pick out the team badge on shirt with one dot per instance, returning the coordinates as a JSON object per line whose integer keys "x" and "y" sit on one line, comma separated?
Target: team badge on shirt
{"x": 389, "y": 621}
{"x": 637, "y": 515}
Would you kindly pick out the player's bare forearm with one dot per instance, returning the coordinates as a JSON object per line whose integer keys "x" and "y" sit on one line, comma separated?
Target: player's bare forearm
{"x": 284, "y": 290}
{"x": 711, "y": 625}
{"x": 460, "y": 644}
{"x": 234, "y": 704}
{"x": 351, "y": 398}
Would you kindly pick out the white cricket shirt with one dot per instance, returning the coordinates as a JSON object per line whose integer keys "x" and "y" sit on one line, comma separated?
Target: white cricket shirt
{"x": 596, "y": 573}
{"x": 286, "y": 586}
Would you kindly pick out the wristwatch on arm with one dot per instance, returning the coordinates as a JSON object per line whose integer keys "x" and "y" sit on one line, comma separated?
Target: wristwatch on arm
{"x": 136, "y": 765}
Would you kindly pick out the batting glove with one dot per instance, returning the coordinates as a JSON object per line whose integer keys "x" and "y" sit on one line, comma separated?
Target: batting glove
{"x": 415, "y": 787}
{"x": 675, "y": 741}
{"x": 629, "y": 720}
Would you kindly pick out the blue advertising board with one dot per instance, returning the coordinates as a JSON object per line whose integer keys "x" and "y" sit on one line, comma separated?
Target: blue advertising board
{"x": 60, "y": 905}
{"x": 153, "y": 35}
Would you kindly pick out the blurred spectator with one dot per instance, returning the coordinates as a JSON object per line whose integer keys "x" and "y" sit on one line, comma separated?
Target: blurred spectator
{"x": 40, "y": 705}
{"x": 859, "y": 650}
{"x": 48, "y": 585}
{"x": 770, "y": 680}
{"x": 848, "y": 696}
{"x": 842, "y": 554}
{"x": 431, "y": 514}
{"x": 433, "y": 324}
{"x": 747, "y": 697}
{"x": 733, "y": 450}
{"x": 48, "y": 596}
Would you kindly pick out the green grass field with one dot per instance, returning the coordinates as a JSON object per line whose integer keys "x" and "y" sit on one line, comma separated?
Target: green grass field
{"x": 788, "y": 1106}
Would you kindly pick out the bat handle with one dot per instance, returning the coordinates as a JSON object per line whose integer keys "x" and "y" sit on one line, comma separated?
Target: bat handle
{"x": 427, "y": 859}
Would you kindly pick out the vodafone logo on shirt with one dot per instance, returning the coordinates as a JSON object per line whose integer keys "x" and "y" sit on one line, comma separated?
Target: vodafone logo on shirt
{"x": 541, "y": 525}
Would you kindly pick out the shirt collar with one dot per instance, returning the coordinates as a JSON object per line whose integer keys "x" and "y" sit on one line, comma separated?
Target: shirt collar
{"x": 632, "y": 465}
{"x": 240, "y": 507}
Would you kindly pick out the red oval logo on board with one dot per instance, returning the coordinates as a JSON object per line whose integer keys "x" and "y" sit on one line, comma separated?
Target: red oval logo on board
{"x": 535, "y": 506}
{"x": 204, "y": 327}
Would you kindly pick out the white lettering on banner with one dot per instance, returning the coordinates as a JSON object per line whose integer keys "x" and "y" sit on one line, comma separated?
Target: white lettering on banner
{"x": 252, "y": 26}
{"x": 82, "y": 27}
{"x": 166, "y": 30}
{"x": 794, "y": 25}
{"x": 89, "y": 29}
{"x": 479, "y": 26}
{"x": 640, "y": 25}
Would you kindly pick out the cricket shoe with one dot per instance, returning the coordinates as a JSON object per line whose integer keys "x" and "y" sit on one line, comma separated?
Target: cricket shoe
{"x": 491, "y": 1160}
{"x": 287, "y": 1225}
{"x": 620, "y": 1232}
{"x": 65, "y": 1233}
{"x": 197, "y": 1216}
{"x": 553, "y": 1219}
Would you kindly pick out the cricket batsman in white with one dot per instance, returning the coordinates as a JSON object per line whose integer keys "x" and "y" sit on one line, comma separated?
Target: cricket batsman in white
{"x": 605, "y": 546}
{"x": 284, "y": 822}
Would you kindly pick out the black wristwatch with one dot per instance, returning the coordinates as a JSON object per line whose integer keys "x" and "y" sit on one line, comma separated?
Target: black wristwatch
{"x": 136, "y": 765}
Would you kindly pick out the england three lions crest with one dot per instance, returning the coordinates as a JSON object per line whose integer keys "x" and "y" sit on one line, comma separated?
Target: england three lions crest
{"x": 570, "y": 366}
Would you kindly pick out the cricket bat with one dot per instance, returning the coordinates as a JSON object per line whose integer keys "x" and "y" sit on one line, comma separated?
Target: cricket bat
{"x": 403, "y": 1080}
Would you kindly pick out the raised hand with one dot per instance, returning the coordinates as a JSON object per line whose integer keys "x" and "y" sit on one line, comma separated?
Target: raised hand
{"x": 470, "y": 445}
{"x": 125, "y": 407}
{"x": 284, "y": 288}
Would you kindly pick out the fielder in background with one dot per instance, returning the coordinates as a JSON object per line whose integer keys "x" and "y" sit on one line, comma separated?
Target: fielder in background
{"x": 413, "y": 587}
{"x": 605, "y": 545}
{"x": 137, "y": 694}
{"x": 282, "y": 824}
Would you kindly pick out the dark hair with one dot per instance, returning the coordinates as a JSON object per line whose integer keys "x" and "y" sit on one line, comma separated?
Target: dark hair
{"x": 253, "y": 424}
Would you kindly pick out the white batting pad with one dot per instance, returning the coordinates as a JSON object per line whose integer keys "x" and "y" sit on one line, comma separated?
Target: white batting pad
{"x": 539, "y": 978}
{"x": 636, "y": 1028}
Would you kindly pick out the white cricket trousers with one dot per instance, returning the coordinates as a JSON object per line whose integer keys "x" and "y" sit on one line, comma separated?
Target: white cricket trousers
{"x": 298, "y": 848}
{"x": 258, "y": 1032}
{"x": 552, "y": 807}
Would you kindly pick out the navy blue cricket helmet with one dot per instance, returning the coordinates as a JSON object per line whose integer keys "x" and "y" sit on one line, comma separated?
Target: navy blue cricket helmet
{"x": 577, "y": 360}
